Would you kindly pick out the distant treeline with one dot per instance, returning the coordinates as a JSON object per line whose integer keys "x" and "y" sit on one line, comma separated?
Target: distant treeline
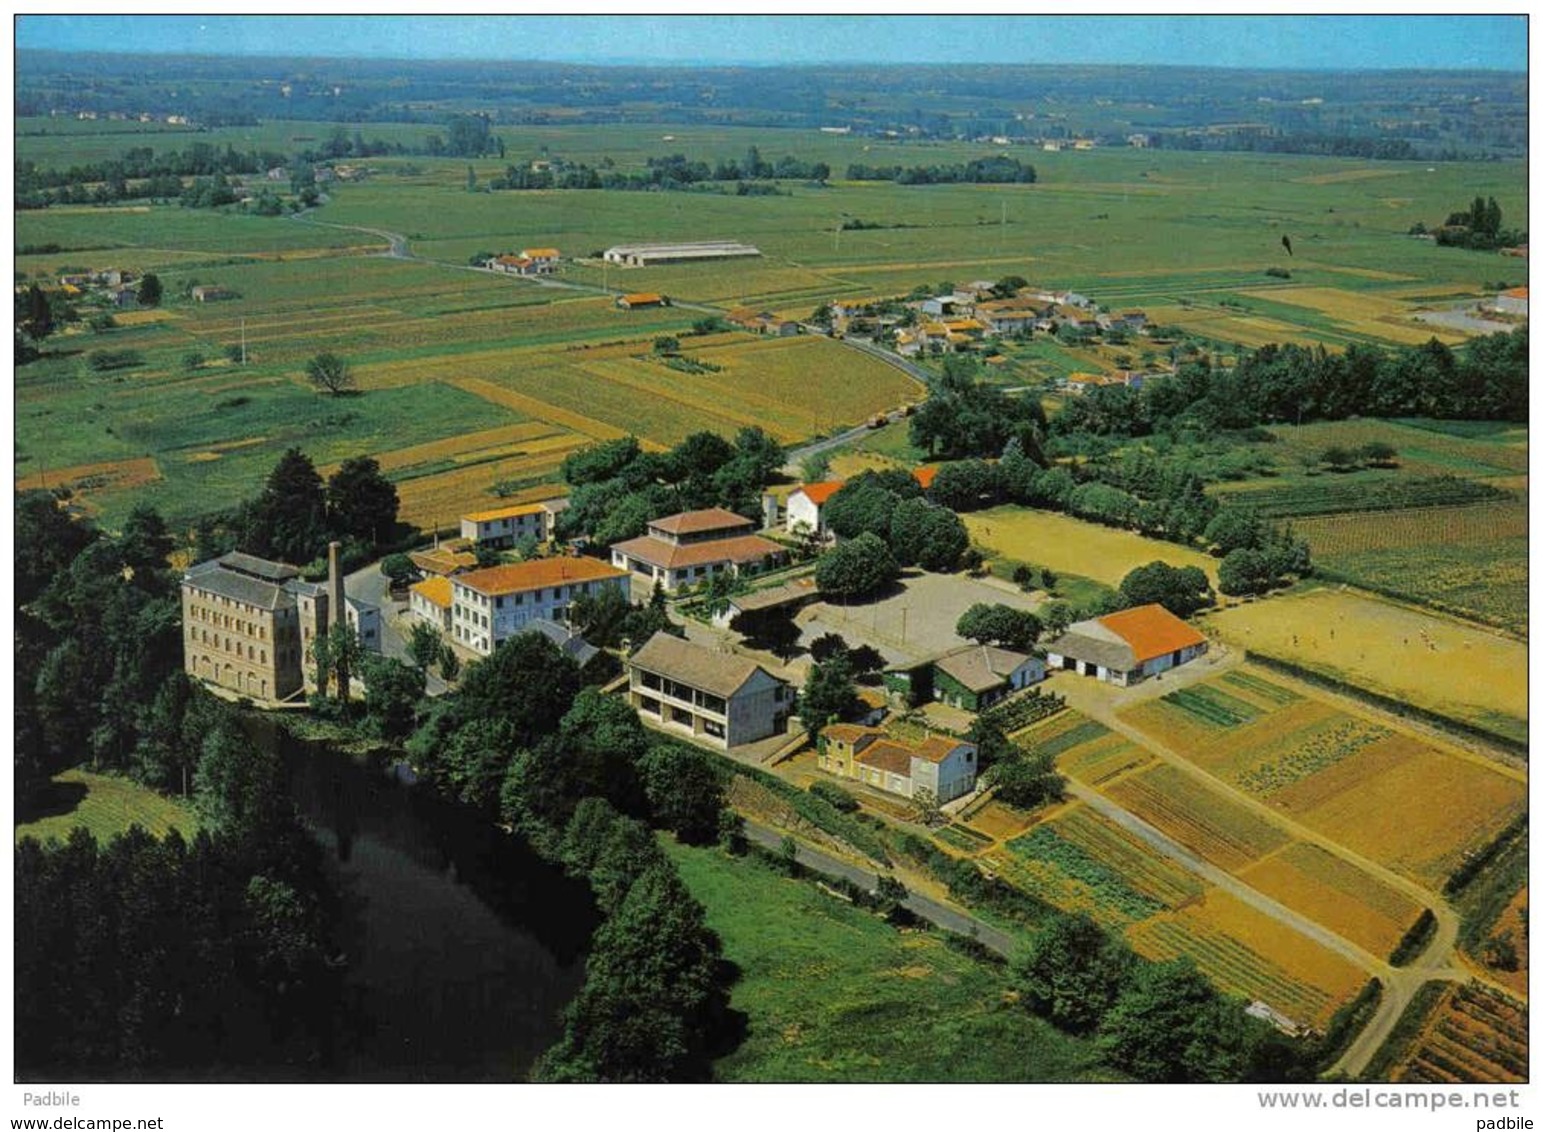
{"x": 666, "y": 173}
{"x": 1318, "y": 145}
{"x": 981, "y": 171}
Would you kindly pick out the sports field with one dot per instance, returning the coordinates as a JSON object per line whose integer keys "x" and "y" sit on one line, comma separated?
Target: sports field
{"x": 1391, "y": 649}
{"x": 1067, "y": 545}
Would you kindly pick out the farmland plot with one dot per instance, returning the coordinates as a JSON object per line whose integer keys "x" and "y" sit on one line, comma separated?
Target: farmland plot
{"x": 1248, "y": 954}
{"x": 1408, "y": 805}
{"x": 1336, "y": 894}
{"x": 1071, "y": 546}
{"x": 1196, "y": 816}
{"x": 1476, "y": 1034}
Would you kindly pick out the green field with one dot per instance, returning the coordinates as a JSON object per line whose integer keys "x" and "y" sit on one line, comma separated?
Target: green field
{"x": 834, "y": 994}
{"x": 104, "y": 805}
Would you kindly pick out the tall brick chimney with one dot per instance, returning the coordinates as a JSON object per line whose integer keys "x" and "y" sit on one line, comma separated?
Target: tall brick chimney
{"x": 337, "y": 611}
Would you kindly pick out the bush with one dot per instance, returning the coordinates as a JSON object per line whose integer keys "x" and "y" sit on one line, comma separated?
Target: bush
{"x": 835, "y": 795}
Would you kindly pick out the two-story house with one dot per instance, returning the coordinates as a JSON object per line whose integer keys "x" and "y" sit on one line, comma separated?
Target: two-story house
{"x": 715, "y": 697}
{"x": 487, "y": 606}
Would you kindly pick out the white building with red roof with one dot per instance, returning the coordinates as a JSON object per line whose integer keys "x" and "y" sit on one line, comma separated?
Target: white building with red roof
{"x": 1125, "y": 648}
{"x": 806, "y": 505}
{"x": 690, "y": 547}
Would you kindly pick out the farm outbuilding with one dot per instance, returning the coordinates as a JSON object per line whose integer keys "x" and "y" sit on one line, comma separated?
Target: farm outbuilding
{"x": 654, "y": 255}
{"x": 1125, "y": 648}
{"x": 641, "y": 299}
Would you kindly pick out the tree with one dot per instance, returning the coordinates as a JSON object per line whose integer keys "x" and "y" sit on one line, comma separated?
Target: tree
{"x": 926, "y": 535}
{"x": 150, "y": 291}
{"x": 999, "y": 624}
{"x": 392, "y": 691}
{"x": 449, "y": 663}
{"x": 1072, "y": 972}
{"x": 288, "y": 520}
{"x": 1027, "y": 780}
{"x": 857, "y": 568}
{"x": 146, "y": 545}
{"x": 361, "y": 503}
{"x": 666, "y": 344}
{"x": 1340, "y": 459}
{"x": 827, "y": 695}
{"x": 1231, "y": 528}
{"x": 1181, "y": 590}
{"x": 1169, "y": 1025}
{"x": 650, "y": 999}
{"x": 827, "y": 646}
{"x": 330, "y": 372}
{"x": 399, "y": 569}
{"x": 1245, "y": 571}
{"x": 47, "y": 540}
{"x": 685, "y": 791}
{"x": 1379, "y": 454}
{"x": 424, "y": 644}
{"x": 336, "y": 655}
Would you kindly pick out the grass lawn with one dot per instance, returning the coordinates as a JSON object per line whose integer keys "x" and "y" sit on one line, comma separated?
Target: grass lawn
{"x": 834, "y": 994}
{"x": 106, "y": 805}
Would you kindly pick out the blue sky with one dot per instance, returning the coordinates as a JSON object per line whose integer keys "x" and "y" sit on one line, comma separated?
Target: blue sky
{"x": 1297, "y": 42}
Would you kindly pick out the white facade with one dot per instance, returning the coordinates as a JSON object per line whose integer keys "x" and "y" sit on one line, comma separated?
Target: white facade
{"x": 507, "y": 528}
{"x": 802, "y": 509}
{"x": 757, "y": 709}
{"x": 480, "y": 620}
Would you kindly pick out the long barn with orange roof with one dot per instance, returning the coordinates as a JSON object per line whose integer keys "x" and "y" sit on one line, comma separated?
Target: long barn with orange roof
{"x": 1127, "y": 647}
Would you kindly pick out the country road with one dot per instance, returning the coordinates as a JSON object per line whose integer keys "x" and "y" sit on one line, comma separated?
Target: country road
{"x": 943, "y": 915}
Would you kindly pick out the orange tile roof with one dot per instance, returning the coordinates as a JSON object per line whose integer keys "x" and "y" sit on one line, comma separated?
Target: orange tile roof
{"x": 925, "y": 475}
{"x": 642, "y": 298}
{"x": 848, "y": 732}
{"x": 505, "y": 512}
{"x": 537, "y": 573}
{"x": 1151, "y": 631}
{"x": 936, "y": 748}
{"x": 1516, "y": 293}
{"x": 540, "y": 253}
{"x": 442, "y": 560}
{"x": 668, "y": 556}
{"x": 885, "y": 754}
{"x": 695, "y": 522}
{"x": 434, "y": 590}
{"x": 818, "y": 493}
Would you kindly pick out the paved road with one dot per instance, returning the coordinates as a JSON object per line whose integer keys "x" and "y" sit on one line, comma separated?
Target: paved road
{"x": 370, "y": 585}
{"x": 933, "y": 911}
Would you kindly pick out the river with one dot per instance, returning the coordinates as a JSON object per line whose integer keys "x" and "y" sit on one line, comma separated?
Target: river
{"x": 467, "y": 943}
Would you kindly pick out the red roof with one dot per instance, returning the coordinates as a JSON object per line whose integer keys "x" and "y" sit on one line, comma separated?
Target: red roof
{"x": 818, "y": 493}
{"x": 1516, "y": 293}
{"x": 695, "y": 522}
{"x": 1151, "y": 631}
{"x": 536, "y": 574}
{"x": 669, "y": 556}
{"x": 925, "y": 475}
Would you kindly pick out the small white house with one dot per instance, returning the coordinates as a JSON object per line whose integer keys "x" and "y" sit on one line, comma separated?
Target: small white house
{"x": 806, "y": 506}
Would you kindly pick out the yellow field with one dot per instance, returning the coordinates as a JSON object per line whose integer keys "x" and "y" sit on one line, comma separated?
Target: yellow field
{"x": 1359, "y": 312}
{"x": 1336, "y": 894}
{"x": 1476, "y": 1034}
{"x": 536, "y": 435}
{"x": 1232, "y": 326}
{"x": 1467, "y": 525}
{"x": 1222, "y": 831}
{"x": 1071, "y": 546}
{"x": 143, "y": 318}
{"x": 1408, "y": 805}
{"x": 439, "y": 501}
{"x": 1453, "y": 668}
{"x": 1247, "y": 953}
{"x": 86, "y": 480}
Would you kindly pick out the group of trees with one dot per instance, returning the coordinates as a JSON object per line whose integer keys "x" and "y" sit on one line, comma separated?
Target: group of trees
{"x": 97, "y": 647}
{"x": 964, "y": 416}
{"x": 995, "y": 170}
{"x": 1484, "y": 379}
{"x": 1159, "y": 1022}
{"x": 883, "y": 516}
{"x": 673, "y": 172}
{"x": 1478, "y": 228}
{"x": 618, "y": 488}
{"x": 577, "y": 774}
{"x": 156, "y": 956}
{"x": 296, "y": 514}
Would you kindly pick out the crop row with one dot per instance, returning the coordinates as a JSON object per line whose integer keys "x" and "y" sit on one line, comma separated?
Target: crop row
{"x": 1233, "y": 966}
{"x": 1141, "y": 867}
{"x": 1044, "y": 843}
{"x": 1321, "y": 496}
{"x": 1217, "y": 829}
{"x": 1213, "y": 706}
{"x": 1104, "y": 760}
{"x": 1248, "y": 682}
{"x": 1318, "y": 750}
{"x": 1084, "y": 732}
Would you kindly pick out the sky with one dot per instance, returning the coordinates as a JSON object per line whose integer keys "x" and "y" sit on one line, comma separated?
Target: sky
{"x": 1254, "y": 41}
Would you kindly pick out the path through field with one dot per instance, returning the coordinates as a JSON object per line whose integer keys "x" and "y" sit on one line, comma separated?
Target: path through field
{"x": 1439, "y": 959}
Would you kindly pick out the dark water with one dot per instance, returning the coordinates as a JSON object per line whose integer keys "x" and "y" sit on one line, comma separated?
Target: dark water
{"x": 468, "y": 943}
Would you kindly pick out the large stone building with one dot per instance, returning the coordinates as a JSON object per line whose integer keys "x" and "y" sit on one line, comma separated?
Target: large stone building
{"x": 690, "y": 547}
{"x": 711, "y": 696}
{"x": 1126, "y": 647}
{"x": 248, "y": 623}
{"x": 487, "y": 606}
{"x": 943, "y": 767}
